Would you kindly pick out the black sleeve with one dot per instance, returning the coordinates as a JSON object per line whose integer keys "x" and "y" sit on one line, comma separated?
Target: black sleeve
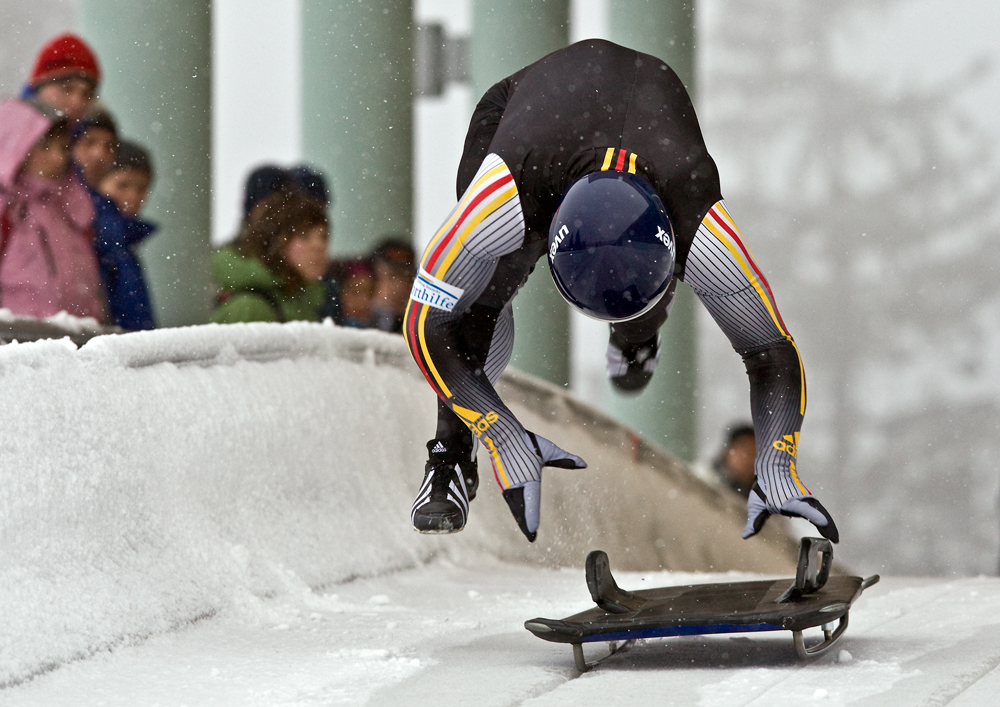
{"x": 482, "y": 128}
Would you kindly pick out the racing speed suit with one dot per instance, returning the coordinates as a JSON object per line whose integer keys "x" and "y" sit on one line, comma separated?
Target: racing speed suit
{"x": 592, "y": 106}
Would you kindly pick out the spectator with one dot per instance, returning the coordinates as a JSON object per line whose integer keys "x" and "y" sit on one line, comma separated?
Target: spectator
{"x": 128, "y": 181}
{"x": 312, "y": 183}
{"x": 95, "y": 146}
{"x": 48, "y": 263}
{"x": 273, "y": 272}
{"x": 65, "y": 76}
{"x": 267, "y": 179}
{"x": 261, "y": 183}
{"x": 735, "y": 463}
{"x": 394, "y": 271}
{"x": 121, "y": 194}
{"x": 355, "y": 283}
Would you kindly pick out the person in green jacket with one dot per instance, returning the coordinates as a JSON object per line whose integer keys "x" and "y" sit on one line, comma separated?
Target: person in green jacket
{"x": 272, "y": 272}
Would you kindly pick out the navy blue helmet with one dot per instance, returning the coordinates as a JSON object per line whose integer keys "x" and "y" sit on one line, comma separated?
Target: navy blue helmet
{"x": 611, "y": 246}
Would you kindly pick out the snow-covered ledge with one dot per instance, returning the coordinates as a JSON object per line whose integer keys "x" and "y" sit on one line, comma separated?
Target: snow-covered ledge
{"x": 149, "y": 479}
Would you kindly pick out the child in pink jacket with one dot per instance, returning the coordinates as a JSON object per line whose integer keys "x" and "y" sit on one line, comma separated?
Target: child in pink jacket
{"x": 47, "y": 258}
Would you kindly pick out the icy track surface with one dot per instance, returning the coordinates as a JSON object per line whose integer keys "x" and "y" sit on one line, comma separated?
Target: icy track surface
{"x": 444, "y": 634}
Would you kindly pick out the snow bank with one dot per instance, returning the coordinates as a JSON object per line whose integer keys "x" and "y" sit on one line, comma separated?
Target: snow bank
{"x": 151, "y": 479}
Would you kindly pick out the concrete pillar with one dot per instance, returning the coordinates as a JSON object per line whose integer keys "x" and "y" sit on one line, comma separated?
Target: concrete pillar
{"x": 506, "y": 36}
{"x": 665, "y": 411}
{"x": 357, "y": 114}
{"x": 157, "y": 61}
{"x": 663, "y": 28}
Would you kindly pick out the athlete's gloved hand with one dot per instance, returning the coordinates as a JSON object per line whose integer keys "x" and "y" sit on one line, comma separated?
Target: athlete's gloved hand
{"x": 808, "y": 507}
{"x": 525, "y": 500}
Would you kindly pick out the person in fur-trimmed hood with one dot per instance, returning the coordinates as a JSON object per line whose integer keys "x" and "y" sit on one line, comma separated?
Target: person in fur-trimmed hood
{"x": 47, "y": 259}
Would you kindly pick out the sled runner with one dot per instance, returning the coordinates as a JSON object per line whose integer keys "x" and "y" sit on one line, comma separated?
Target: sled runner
{"x": 813, "y": 598}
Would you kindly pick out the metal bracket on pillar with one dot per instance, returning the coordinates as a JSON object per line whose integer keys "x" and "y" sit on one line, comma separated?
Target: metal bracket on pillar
{"x": 438, "y": 59}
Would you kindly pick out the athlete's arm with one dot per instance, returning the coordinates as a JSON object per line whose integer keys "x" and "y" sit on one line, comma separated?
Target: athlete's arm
{"x": 728, "y": 282}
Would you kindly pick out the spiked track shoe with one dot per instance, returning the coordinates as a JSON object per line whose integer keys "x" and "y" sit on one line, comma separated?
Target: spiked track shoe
{"x": 631, "y": 369}
{"x": 450, "y": 482}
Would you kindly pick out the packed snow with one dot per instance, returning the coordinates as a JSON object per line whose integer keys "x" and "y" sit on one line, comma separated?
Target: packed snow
{"x": 446, "y": 632}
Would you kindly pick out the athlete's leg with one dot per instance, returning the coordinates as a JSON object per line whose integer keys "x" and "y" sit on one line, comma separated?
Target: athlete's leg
{"x": 453, "y": 439}
{"x": 486, "y": 335}
{"x": 634, "y": 346}
{"x": 642, "y": 329}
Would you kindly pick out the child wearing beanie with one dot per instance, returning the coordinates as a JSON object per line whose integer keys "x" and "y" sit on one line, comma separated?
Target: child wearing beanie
{"x": 65, "y": 76}
{"x": 47, "y": 260}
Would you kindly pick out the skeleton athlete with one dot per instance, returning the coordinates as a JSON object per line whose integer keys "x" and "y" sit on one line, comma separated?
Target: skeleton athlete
{"x": 592, "y": 157}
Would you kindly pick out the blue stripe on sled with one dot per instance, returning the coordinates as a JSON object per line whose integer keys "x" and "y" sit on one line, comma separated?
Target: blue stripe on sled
{"x": 680, "y": 631}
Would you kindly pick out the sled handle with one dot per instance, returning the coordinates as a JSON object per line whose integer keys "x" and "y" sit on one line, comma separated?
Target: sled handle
{"x": 604, "y": 590}
{"x": 815, "y": 561}
{"x": 869, "y": 581}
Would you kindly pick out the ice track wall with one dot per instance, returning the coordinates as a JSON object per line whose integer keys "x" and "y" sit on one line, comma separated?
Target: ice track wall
{"x": 150, "y": 479}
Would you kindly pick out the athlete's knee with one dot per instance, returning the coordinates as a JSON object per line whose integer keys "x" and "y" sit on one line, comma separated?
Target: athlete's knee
{"x": 777, "y": 357}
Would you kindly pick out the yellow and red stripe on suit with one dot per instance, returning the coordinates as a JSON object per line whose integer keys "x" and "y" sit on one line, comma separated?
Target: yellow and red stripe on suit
{"x": 727, "y": 280}
{"x": 615, "y": 159}
{"x": 456, "y": 268}
{"x": 488, "y": 192}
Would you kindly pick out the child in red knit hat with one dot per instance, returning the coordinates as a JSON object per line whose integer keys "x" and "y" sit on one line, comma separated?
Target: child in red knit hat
{"x": 66, "y": 75}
